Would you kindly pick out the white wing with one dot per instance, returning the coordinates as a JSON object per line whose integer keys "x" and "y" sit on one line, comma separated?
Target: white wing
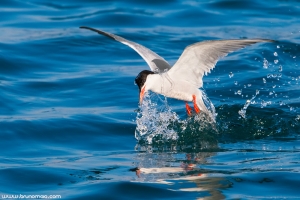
{"x": 156, "y": 63}
{"x": 199, "y": 58}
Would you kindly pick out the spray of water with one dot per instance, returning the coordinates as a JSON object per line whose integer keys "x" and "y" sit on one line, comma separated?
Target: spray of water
{"x": 156, "y": 122}
{"x": 155, "y": 118}
{"x": 242, "y": 112}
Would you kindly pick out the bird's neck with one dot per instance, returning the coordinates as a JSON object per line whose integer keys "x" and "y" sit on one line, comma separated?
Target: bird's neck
{"x": 158, "y": 83}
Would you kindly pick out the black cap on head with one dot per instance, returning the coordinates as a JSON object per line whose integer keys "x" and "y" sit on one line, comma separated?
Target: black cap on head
{"x": 141, "y": 78}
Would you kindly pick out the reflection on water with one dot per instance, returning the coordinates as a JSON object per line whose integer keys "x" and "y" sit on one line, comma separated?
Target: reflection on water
{"x": 176, "y": 164}
{"x": 217, "y": 172}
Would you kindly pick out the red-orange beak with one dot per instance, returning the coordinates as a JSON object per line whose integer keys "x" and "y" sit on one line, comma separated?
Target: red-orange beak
{"x": 142, "y": 93}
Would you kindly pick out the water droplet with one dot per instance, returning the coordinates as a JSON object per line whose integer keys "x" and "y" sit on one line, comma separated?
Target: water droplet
{"x": 264, "y": 80}
{"x": 265, "y": 103}
{"x": 249, "y": 85}
{"x": 266, "y": 64}
{"x": 270, "y": 93}
{"x": 294, "y": 56}
{"x": 235, "y": 82}
{"x": 239, "y": 92}
{"x": 276, "y": 61}
{"x": 280, "y": 68}
{"x": 231, "y": 75}
{"x": 274, "y": 86}
{"x": 278, "y": 47}
{"x": 275, "y": 53}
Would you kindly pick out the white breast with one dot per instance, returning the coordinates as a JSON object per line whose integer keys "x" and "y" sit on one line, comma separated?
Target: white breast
{"x": 178, "y": 89}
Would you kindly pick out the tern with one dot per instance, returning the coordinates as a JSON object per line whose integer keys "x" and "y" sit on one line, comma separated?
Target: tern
{"x": 183, "y": 80}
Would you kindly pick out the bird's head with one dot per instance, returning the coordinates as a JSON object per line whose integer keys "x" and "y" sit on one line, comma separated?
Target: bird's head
{"x": 140, "y": 80}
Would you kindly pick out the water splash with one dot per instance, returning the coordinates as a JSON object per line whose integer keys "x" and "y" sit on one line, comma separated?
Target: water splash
{"x": 160, "y": 127}
{"x": 242, "y": 112}
{"x": 209, "y": 105}
{"x": 157, "y": 123}
{"x": 155, "y": 118}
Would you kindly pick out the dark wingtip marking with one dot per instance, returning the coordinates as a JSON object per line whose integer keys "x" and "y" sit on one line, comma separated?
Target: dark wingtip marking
{"x": 161, "y": 64}
{"x": 97, "y": 31}
{"x": 265, "y": 40}
{"x": 268, "y": 40}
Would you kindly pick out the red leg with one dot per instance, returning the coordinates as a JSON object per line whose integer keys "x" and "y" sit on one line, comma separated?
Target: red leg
{"x": 197, "y": 109}
{"x": 188, "y": 109}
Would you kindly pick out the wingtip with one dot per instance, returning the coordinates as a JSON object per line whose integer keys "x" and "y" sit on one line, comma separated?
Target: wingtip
{"x": 99, "y": 32}
{"x": 86, "y": 27}
{"x": 269, "y": 40}
{"x": 257, "y": 40}
{"x": 262, "y": 40}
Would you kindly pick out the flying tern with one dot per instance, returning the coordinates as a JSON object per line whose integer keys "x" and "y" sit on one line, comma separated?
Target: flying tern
{"x": 183, "y": 80}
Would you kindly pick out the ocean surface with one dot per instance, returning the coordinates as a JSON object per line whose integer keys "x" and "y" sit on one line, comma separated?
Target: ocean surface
{"x": 71, "y": 126}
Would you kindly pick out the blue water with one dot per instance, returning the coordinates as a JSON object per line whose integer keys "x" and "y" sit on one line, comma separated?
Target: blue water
{"x": 69, "y": 108}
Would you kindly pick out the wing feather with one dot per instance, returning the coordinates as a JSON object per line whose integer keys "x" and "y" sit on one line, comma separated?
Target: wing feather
{"x": 156, "y": 63}
{"x": 200, "y": 58}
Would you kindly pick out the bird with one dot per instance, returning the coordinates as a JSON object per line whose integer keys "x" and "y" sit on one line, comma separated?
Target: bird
{"x": 183, "y": 80}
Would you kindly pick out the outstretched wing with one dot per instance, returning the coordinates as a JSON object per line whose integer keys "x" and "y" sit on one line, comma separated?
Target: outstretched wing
{"x": 199, "y": 58}
{"x": 156, "y": 63}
